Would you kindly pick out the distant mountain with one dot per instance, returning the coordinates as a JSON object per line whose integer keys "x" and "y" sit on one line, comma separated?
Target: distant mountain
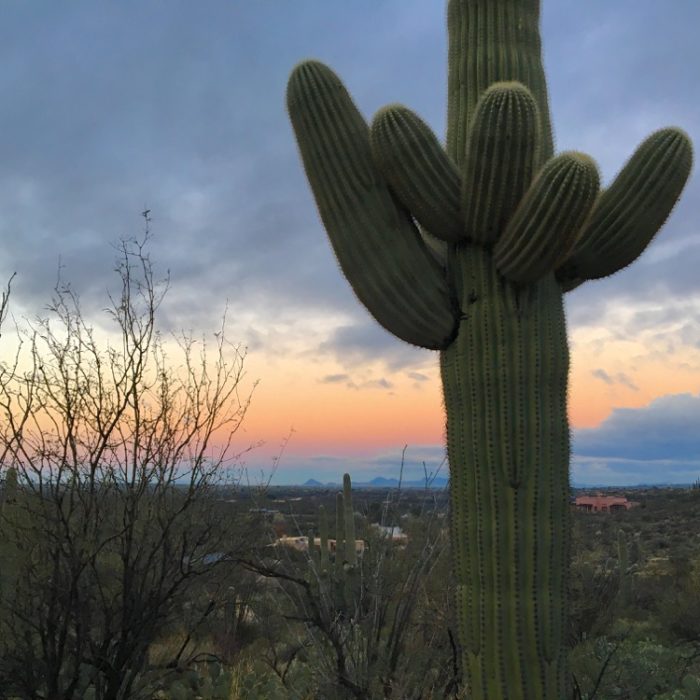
{"x": 381, "y": 482}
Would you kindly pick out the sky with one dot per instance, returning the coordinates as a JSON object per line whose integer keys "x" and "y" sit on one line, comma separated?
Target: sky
{"x": 109, "y": 108}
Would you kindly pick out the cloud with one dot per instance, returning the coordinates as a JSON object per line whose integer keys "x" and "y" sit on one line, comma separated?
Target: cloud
{"x": 334, "y": 378}
{"x": 658, "y": 442}
{"x": 346, "y": 379}
{"x": 603, "y": 375}
{"x": 106, "y": 115}
{"x": 367, "y": 342}
{"x": 596, "y": 471}
{"x": 124, "y": 105}
{"x": 619, "y": 378}
{"x": 670, "y": 285}
{"x": 375, "y": 384}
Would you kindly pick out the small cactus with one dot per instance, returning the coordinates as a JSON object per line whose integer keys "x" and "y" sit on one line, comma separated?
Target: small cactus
{"x": 338, "y": 586}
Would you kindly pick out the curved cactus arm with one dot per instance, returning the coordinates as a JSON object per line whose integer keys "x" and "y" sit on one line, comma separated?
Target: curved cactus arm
{"x": 415, "y": 165}
{"x": 377, "y": 245}
{"x": 545, "y": 224}
{"x": 502, "y": 156}
{"x": 631, "y": 211}
{"x": 503, "y": 43}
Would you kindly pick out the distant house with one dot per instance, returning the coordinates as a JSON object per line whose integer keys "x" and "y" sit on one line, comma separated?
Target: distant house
{"x": 603, "y": 504}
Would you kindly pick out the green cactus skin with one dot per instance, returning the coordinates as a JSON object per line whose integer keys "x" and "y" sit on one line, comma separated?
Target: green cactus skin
{"x": 544, "y": 227}
{"x": 492, "y": 41}
{"x": 417, "y": 168}
{"x": 502, "y": 156}
{"x": 632, "y": 210}
{"x": 532, "y": 228}
{"x": 374, "y": 239}
{"x": 349, "y": 518}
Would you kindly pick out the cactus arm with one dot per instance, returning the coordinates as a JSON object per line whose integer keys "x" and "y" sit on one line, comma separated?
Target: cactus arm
{"x": 544, "y": 227}
{"x": 377, "y": 245}
{"x": 419, "y": 171}
{"x": 631, "y": 211}
{"x": 502, "y": 42}
{"x": 502, "y": 156}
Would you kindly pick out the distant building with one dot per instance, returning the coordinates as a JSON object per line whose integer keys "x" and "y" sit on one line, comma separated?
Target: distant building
{"x": 394, "y": 533}
{"x": 603, "y": 504}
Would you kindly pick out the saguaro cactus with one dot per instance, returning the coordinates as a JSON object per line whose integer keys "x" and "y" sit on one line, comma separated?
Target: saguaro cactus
{"x": 337, "y": 587}
{"x": 468, "y": 250}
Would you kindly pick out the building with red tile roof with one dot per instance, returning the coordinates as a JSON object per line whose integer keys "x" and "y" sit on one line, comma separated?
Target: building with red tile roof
{"x": 603, "y": 504}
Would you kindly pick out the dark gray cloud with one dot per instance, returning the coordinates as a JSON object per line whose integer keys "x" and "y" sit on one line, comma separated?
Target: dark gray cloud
{"x": 418, "y": 376}
{"x": 166, "y": 105}
{"x": 609, "y": 471}
{"x": 367, "y": 341}
{"x": 670, "y": 282}
{"x": 657, "y": 436}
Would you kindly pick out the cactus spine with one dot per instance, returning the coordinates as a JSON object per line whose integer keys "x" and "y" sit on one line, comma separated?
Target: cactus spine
{"x": 519, "y": 227}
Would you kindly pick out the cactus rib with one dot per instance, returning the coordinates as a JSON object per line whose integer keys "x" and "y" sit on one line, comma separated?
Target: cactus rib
{"x": 418, "y": 170}
{"x": 631, "y": 211}
{"x": 502, "y": 156}
{"x": 544, "y": 227}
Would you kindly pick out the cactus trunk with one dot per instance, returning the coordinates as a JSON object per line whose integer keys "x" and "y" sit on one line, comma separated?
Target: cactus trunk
{"x": 504, "y": 382}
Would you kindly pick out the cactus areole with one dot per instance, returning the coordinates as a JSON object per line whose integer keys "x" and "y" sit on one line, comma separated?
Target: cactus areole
{"x": 468, "y": 250}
